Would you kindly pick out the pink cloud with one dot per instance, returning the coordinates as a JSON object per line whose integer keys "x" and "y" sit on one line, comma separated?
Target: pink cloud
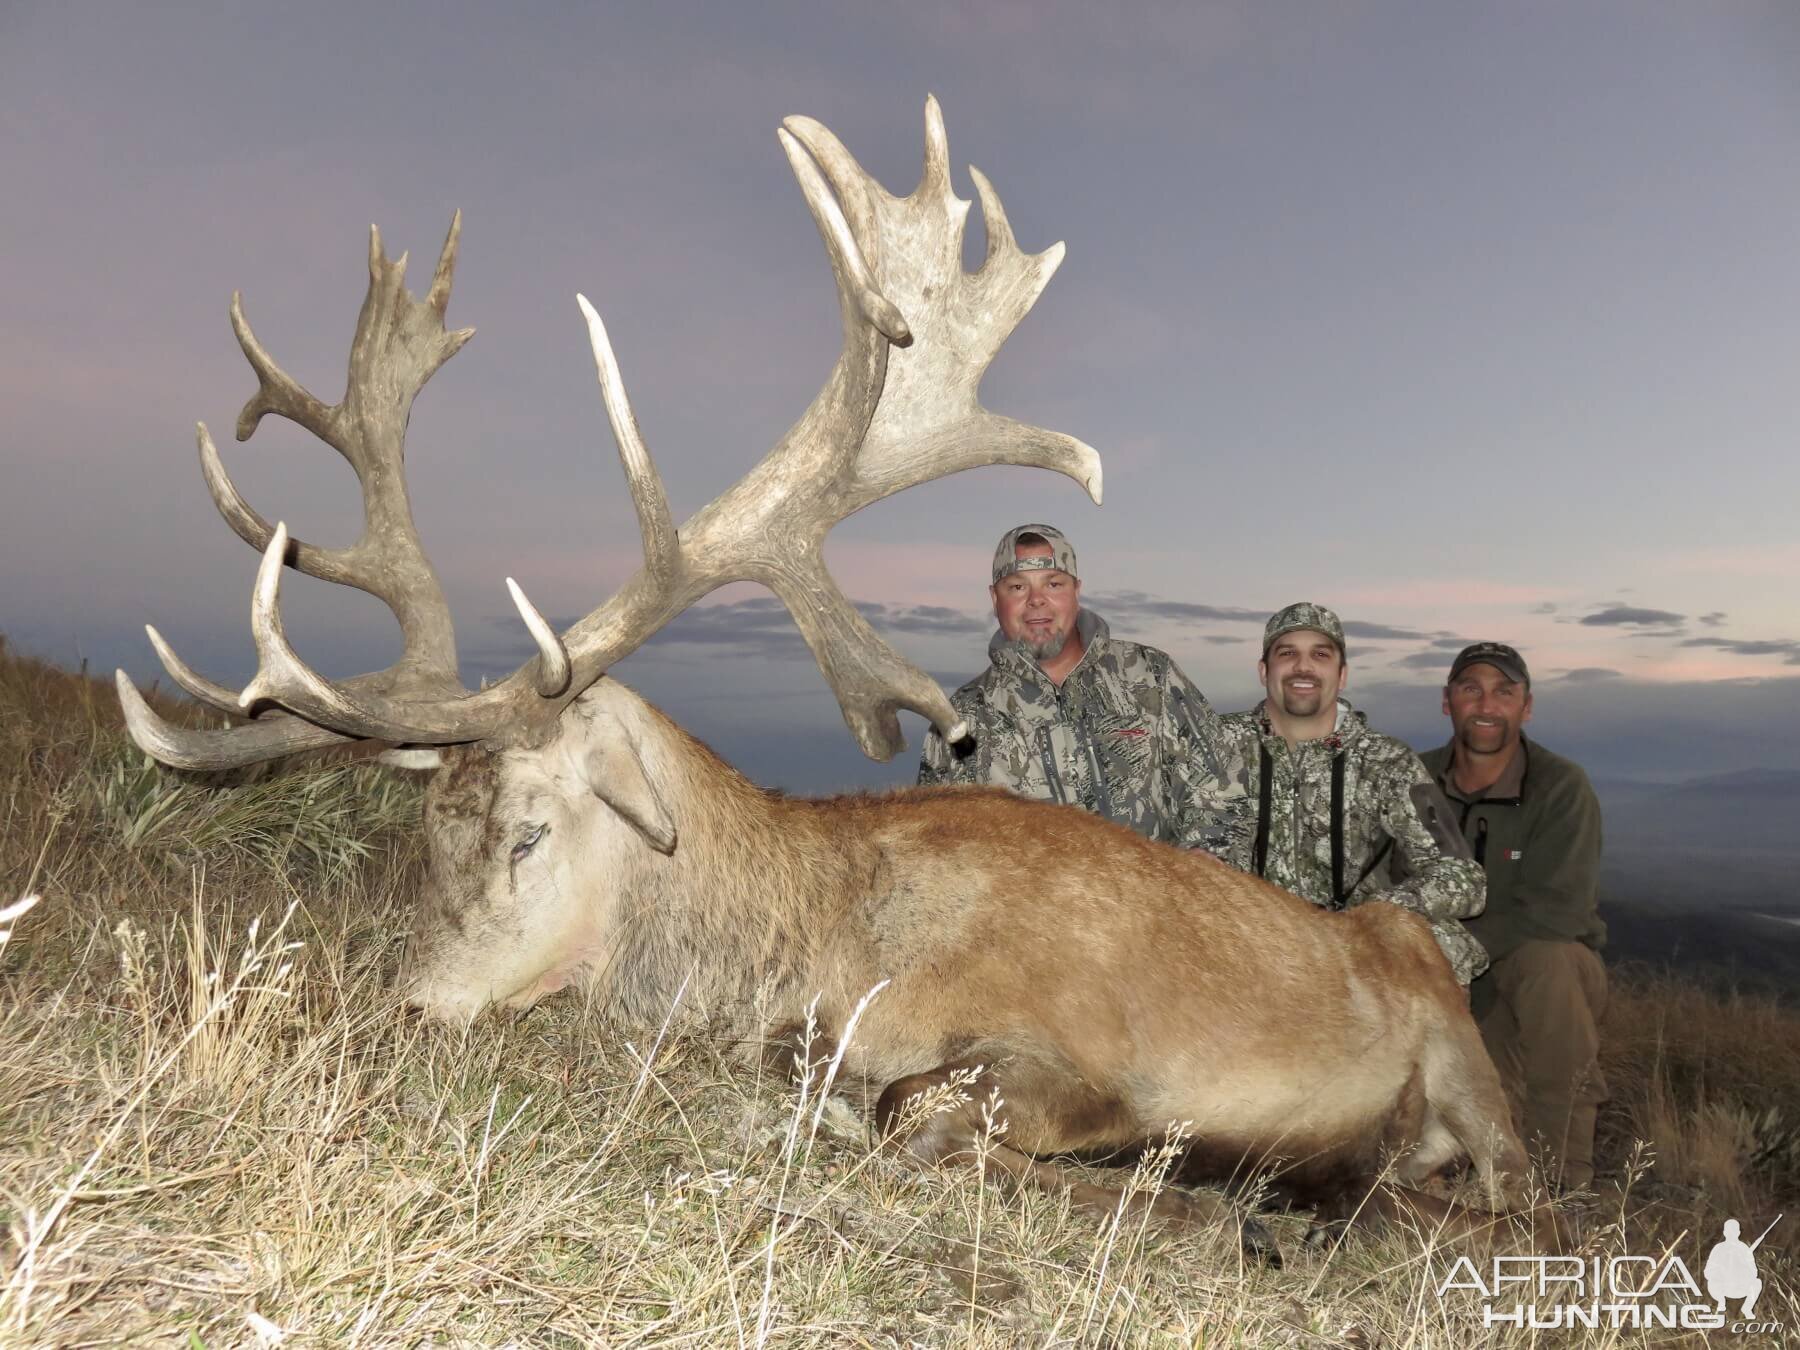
{"x": 1757, "y": 560}
{"x": 1455, "y": 595}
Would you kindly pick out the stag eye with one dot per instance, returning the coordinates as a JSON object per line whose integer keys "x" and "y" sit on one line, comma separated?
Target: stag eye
{"x": 525, "y": 845}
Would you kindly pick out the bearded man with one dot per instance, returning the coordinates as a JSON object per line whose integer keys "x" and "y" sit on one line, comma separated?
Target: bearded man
{"x": 1345, "y": 815}
{"x": 1067, "y": 713}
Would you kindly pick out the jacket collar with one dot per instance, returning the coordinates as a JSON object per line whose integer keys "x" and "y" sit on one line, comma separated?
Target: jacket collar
{"x": 1348, "y": 728}
{"x": 1509, "y": 787}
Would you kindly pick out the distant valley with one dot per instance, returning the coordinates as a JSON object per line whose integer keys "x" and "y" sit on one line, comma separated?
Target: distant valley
{"x": 1704, "y": 875}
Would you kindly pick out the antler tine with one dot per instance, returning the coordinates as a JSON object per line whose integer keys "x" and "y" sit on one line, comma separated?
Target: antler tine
{"x": 277, "y": 392}
{"x": 647, "y": 495}
{"x": 250, "y": 526}
{"x": 438, "y": 297}
{"x": 856, "y": 284}
{"x": 1000, "y": 241}
{"x": 552, "y": 676}
{"x": 357, "y": 708}
{"x": 181, "y": 748}
{"x": 207, "y": 691}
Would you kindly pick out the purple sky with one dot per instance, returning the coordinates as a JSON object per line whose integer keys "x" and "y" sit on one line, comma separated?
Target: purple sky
{"x": 1470, "y": 325}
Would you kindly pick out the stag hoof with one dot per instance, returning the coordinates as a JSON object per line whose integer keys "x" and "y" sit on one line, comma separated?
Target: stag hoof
{"x": 1323, "y": 1235}
{"x": 1258, "y": 1243}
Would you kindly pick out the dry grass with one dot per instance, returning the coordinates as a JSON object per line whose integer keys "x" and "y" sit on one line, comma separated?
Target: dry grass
{"x": 216, "y": 1128}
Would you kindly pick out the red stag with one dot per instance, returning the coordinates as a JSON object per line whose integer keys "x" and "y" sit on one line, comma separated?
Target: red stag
{"x": 1106, "y": 986}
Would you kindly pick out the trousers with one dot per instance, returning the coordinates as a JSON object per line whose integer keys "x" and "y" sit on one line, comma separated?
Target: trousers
{"x": 1539, "y": 1008}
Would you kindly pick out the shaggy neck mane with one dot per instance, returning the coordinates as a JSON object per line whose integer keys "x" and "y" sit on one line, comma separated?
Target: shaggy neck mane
{"x": 739, "y": 910}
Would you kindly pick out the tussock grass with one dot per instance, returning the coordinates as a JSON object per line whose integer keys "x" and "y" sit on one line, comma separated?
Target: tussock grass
{"x": 217, "y": 1128}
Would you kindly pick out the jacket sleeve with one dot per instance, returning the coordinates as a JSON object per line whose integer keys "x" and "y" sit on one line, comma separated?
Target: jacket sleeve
{"x": 1208, "y": 808}
{"x": 1442, "y": 878}
{"x": 937, "y": 766}
{"x": 1559, "y": 876}
{"x": 940, "y": 765}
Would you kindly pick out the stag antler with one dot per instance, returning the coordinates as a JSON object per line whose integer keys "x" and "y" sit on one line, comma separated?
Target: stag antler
{"x": 899, "y": 408}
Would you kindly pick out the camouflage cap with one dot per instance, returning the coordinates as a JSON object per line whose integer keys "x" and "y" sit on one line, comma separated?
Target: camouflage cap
{"x": 1303, "y": 614}
{"x": 1007, "y": 559}
{"x": 1501, "y": 657}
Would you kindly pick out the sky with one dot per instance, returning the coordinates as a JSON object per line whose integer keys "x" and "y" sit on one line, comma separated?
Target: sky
{"x": 1470, "y": 322}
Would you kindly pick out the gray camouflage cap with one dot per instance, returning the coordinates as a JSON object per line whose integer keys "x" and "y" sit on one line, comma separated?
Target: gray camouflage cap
{"x": 1007, "y": 559}
{"x": 1501, "y": 657}
{"x": 1303, "y": 614}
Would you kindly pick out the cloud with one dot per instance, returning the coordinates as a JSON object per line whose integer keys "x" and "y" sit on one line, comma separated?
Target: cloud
{"x": 1379, "y": 632}
{"x": 1223, "y": 639}
{"x": 1618, "y": 616}
{"x": 1787, "y": 647}
{"x": 1547, "y": 607}
{"x": 1139, "y": 605}
{"x": 936, "y": 620}
{"x": 761, "y": 626}
{"x": 1429, "y": 659}
{"x": 1588, "y": 674}
{"x": 1714, "y": 619}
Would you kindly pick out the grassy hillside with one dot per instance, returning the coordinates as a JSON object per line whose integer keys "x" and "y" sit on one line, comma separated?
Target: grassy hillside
{"x": 216, "y": 1127}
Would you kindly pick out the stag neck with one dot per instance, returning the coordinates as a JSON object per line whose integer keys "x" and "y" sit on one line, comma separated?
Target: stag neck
{"x": 754, "y": 887}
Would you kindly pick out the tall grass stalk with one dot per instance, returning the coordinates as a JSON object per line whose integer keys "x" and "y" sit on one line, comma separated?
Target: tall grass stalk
{"x": 260, "y": 968}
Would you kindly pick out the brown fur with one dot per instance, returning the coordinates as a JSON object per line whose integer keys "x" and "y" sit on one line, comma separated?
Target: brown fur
{"x": 1107, "y": 986}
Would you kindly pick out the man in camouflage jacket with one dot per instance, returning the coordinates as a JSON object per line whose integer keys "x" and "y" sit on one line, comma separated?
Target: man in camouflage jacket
{"x": 1304, "y": 749}
{"x": 1065, "y": 712}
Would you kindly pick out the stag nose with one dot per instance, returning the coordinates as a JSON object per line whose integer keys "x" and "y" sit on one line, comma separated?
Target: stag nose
{"x": 440, "y": 1005}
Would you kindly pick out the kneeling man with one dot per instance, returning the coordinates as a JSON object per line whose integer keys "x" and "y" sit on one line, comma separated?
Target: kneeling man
{"x": 1533, "y": 822}
{"x": 1343, "y": 811}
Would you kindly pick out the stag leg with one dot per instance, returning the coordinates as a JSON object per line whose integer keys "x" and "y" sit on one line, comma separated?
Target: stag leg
{"x": 957, "y": 1132}
{"x": 1464, "y": 1097}
{"x": 1387, "y": 1202}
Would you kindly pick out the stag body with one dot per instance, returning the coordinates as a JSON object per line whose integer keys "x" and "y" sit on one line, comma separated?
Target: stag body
{"x": 1011, "y": 935}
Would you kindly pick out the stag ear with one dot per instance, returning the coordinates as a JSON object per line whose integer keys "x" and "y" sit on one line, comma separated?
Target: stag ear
{"x": 615, "y": 773}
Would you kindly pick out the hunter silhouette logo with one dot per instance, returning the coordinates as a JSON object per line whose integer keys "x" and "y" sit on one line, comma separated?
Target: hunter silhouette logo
{"x": 1731, "y": 1269}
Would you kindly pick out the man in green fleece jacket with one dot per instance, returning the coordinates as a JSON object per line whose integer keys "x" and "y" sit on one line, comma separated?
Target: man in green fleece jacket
{"x": 1534, "y": 824}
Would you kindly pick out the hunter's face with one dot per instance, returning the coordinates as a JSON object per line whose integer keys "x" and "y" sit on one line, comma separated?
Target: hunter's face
{"x": 1037, "y": 609}
{"x": 1302, "y": 673}
{"x": 1487, "y": 709}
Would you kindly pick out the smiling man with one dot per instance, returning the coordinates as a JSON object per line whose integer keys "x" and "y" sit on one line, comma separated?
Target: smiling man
{"x": 1067, "y": 713}
{"x": 1533, "y": 822}
{"x": 1343, "y": 814}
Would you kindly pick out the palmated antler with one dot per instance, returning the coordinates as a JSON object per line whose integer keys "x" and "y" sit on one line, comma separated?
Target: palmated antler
{"x": 900, "y": 408}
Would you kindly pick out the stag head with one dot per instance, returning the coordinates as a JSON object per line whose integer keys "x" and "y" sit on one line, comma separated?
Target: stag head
{"x": 544, "y": 779}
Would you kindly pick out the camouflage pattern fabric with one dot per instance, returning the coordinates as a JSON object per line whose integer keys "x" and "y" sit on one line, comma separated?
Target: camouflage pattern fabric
{"x": 1127, "y": 736}
{"x": 1393, "y": 812}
